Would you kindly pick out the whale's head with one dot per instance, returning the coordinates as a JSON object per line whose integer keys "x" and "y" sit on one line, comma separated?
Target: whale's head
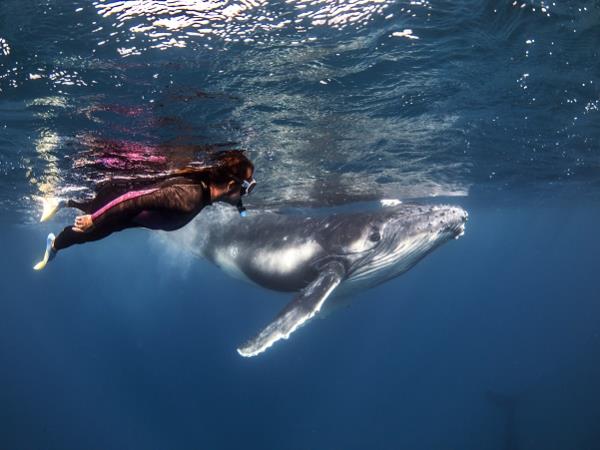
{"x": 390, "y": 241}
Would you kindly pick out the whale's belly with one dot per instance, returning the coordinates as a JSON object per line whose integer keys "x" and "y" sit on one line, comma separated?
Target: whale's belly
{"x": 288, "y": 267}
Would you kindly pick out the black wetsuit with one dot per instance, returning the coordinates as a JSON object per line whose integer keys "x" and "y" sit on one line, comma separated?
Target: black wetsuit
{"x": 165, "y": 205}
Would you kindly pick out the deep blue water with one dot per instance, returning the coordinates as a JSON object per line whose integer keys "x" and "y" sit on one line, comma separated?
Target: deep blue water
{"x": 491, "y": 342}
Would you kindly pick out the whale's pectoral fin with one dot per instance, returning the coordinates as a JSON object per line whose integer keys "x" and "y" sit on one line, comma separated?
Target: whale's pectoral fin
{"x": 298, "y": 311}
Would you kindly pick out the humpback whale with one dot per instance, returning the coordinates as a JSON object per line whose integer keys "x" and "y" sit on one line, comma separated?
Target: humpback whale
{"x": 320, "y": 254}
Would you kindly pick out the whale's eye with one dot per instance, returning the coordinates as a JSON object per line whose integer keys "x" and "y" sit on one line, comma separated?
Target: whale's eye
{"x": 375, "y": 236}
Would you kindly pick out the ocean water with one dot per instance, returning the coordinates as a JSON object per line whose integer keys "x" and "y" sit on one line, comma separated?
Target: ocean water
{"x": 491, "y": 342}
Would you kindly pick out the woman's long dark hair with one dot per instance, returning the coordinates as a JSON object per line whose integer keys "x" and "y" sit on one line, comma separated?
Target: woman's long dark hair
{"x": 221, "y": 168}
{"x": 218, "y": 168}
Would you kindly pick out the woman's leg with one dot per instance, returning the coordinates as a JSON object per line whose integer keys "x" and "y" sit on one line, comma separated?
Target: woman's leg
{"x": 86, "y": 206}
{"x": 107, "y": 192}
{"x": 68, "y": 237}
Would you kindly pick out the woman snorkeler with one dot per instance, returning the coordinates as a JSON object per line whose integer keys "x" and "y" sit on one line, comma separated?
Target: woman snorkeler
{"x": 167, "y": 202}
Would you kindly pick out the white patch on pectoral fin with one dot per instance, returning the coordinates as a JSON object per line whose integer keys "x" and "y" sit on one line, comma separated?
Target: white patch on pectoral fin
{"x": 298, "y": 311}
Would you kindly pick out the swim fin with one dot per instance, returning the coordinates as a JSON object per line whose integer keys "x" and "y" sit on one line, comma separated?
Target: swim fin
{"x": 49, "y": 255}
{"x": 51, "y": 206}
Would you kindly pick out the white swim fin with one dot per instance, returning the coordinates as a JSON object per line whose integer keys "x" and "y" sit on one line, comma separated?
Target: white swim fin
{"x": 49, "y": 255}
{"x": 51, "y": 206}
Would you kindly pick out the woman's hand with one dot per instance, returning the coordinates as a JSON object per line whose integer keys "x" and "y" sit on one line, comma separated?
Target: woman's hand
{"x": 83, "y": 223}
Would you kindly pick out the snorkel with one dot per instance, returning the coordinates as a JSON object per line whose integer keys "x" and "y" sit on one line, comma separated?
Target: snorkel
{"x": 241, "y": 208}
{"x": 247, "y": 188}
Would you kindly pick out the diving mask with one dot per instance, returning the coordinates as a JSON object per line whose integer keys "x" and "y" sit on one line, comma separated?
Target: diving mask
{"x": 248, "y": 186}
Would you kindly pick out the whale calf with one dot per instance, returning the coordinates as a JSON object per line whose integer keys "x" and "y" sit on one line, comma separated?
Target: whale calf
{"x": 318, "y": 255}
